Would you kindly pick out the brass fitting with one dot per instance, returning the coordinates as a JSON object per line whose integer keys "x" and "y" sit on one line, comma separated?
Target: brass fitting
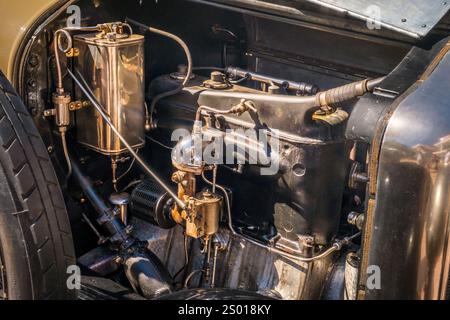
{"x": 61, "y": 111}
{"x": 243, "y": 106}
{"x": 77, "y": 105}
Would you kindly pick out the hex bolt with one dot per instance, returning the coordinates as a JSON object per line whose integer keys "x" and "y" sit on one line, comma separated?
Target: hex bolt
{"x": 33, "y": 61}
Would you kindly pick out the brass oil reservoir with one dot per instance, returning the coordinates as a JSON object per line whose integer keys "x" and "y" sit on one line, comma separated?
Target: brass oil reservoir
{"x": 112, "y": 66}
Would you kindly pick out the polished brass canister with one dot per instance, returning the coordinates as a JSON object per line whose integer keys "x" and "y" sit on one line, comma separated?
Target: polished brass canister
{"x": 113, "y": 69}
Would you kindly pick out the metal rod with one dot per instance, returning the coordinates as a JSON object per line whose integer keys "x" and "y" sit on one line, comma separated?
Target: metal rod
{"x": 66, "y": 152}
{"x": 213, "y": 276}
{"x": 124, "y": 141}
{"x": 301, "y": 87}
{"x": 187, "y": 52}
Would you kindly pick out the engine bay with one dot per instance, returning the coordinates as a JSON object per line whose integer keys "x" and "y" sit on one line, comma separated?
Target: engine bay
{"x": 200, "y": 147}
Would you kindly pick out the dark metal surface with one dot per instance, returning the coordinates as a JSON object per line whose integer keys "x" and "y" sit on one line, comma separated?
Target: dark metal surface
{"x": 369, "y": 109}
{"x": 100, "y": 260}
{"x": 300, "y": 88}
{"x": 305, "y": 198}
{"x": 215, "y": 294}
{"x": 410, "y": 231}
{"x": 151, "y": 203}
{"x": 104, "y": 214}
{"x": 3, "y": 287}
{"x": 97, "y": 288}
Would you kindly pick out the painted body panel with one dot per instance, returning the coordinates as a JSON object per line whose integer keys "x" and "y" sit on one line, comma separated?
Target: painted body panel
{"x": 17, "y": 17}
{"x": 410, "y": 229}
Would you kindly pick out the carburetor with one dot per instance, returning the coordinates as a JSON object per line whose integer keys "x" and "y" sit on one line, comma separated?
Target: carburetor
{"x": 201, "y": 220}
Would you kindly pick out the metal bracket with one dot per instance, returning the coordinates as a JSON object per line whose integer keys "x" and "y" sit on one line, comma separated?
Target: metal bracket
{"x": 73, "y": 52}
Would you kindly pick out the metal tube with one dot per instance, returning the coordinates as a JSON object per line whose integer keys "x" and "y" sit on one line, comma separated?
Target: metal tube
{"x": 372, "y": 84}
{"x": 301, "y": 87}
{"x": 126, "y": 144}
{"x": 104, "y": 213}
{"x": 188, "y": 58}
{"x": 88, "y": 189}
{"x": 57, "y": 47}
{"x": 189, "y": 277}
{"x": 213, "y": 276}
{"x": 335, "y": 247}
{"x": 66, "y": 152}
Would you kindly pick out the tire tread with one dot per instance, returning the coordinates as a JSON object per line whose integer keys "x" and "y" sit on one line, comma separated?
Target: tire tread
{"x": 37, "y": 187}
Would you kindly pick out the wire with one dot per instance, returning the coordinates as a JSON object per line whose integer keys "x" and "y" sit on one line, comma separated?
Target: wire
{"x": 208, "y": 68}
{"x": 188, "y": 58}
{"x": 57, "y": 47}
{"x": 189, "y": 277}
{"x": 131, "y": 184}
{"x": 66, "y": 153}
{"x": 158, "y": 143}
{"x": 246, "y": 77}
{"x": 128, "y": 170}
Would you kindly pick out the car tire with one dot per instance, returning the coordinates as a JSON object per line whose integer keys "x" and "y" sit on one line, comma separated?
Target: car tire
{"x": 36, "y": 246}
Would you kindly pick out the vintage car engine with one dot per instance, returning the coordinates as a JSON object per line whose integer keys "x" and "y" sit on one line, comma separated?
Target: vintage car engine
{"x": 260, "y": 166}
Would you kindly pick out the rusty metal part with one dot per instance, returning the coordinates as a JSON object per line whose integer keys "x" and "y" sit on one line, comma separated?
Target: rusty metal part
{"x": 113, "y": 30}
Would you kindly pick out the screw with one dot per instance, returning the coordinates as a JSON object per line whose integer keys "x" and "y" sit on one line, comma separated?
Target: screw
{"x": 31, "y": 83}
{"x": 33, "y": 61}
{"x": 129, "y": 229}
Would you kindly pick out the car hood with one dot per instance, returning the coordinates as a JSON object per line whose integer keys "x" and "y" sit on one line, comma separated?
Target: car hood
{"x": 413, "y": 18}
